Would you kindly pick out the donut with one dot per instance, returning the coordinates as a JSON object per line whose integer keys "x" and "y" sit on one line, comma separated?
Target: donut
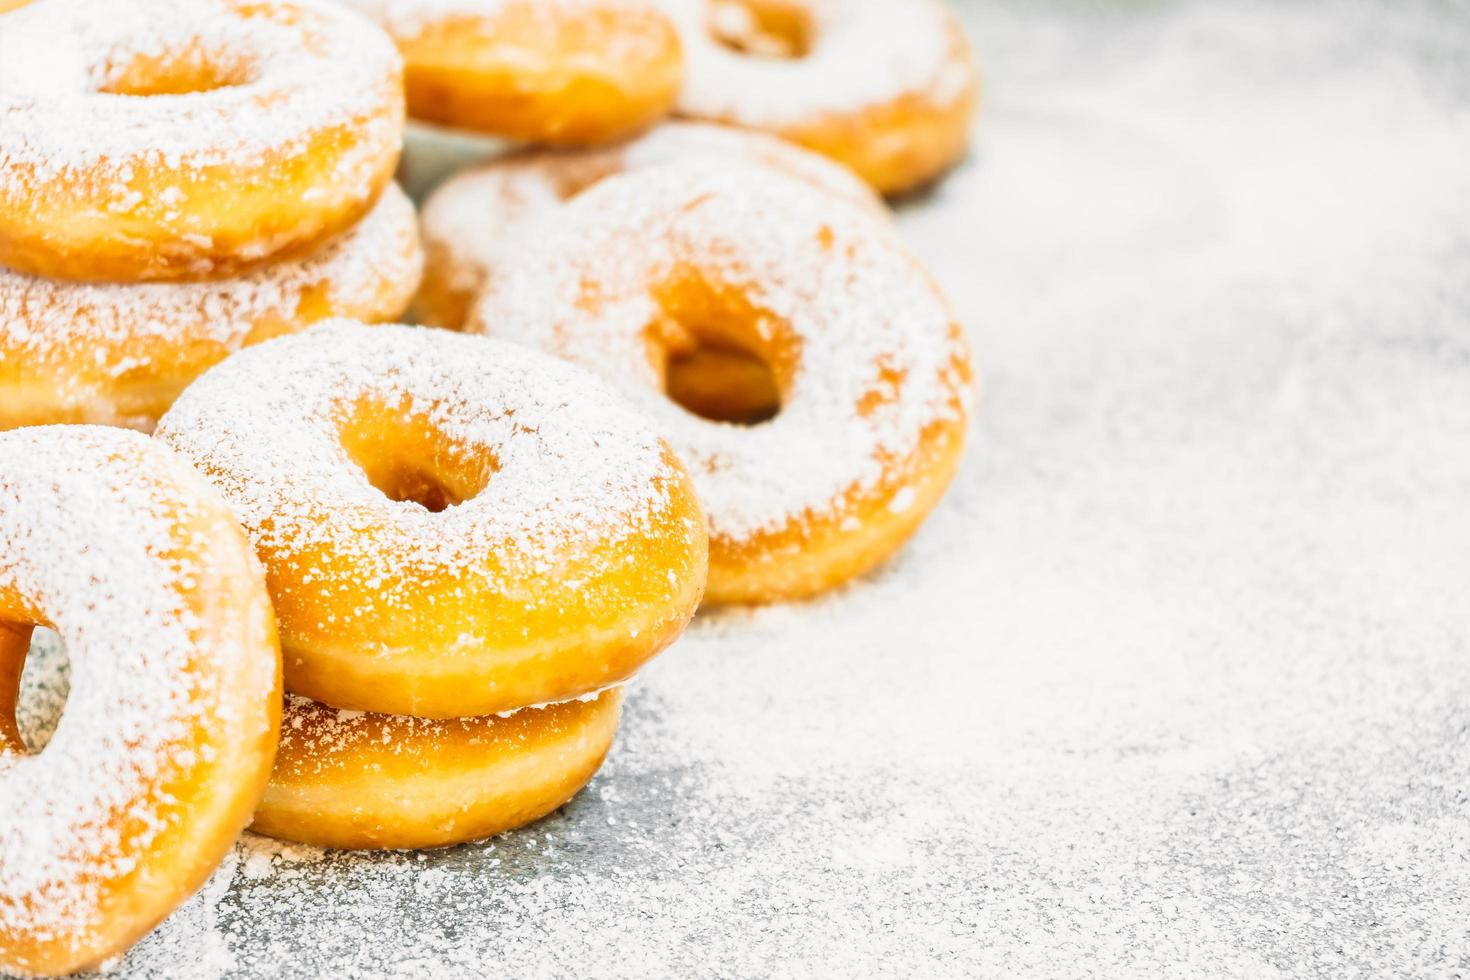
{"x": 119, "y": 354}
{"x": 873, "y": 371}
{"x": 471, "y": 223}
{"x": 353, "y": 779}
{"x": 570, "y": 72}
{"x": 168, "y": 733}
{"x": 450, "y": 526}
{"x": 148, "y": 140}
{"x": 887, "y": 88}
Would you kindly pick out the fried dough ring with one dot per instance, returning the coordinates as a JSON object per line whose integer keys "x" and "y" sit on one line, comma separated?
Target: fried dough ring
{"x": 180, "y": 139}
{"x": 450, "y": 526}
{"x": 171, "y": 723}
{"x": 887, "y": 88}
{"x": 472, "y": 223}
{"x": 119, "y": 354}
{"x": 360, "y": 780}
{"x": 570, "y": 72}
{"x": 873, "y": 370}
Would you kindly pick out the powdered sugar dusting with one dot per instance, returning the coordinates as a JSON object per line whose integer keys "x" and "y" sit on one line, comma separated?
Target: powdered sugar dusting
{"x": 862, "y": 310}
{"x": 87, "y": 525}
{"x": 314, "y": 735}
{"x": 473, "y": 222}
{"x": 80, "y": 334}
{"x": 865, "y": 53}
{"x": 307, "y": 65}
{"x": 573, "y": 464}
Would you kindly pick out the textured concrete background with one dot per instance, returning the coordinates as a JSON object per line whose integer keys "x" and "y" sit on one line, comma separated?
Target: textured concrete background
{"x": 1176, "y": 681}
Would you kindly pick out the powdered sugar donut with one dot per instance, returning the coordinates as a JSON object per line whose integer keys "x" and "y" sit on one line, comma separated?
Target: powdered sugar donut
{"x": 169, "y": 139}
{"x": 550, "y": 71}
{"x": 872, "y": 369}
{"x": 450, "y": 526}
{"x": 360, "y": 780}
{"x": 887, "y": 88}
{"x": 168, "y": 733}
{"x": 473, "y": 222}
{"x": 119, "y": 354}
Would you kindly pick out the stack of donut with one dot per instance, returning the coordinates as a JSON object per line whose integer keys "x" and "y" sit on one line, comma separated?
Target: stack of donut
{"x": 380, "y": 586}
{"x": 469, "y": 546}
{"x": 181, "y": 178}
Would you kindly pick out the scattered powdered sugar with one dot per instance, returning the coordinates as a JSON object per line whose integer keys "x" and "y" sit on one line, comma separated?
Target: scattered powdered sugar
{"x": 570, "y": 464}
{"x": 78, "y": 331}
{"x": 192, "y": 931}
{"x": 864, "y": 53}
{"x": 832, "y": 280}
{"x": 473, "y": 222}
{"x": 306, "y": 64}
{"x": 88, "y": 522}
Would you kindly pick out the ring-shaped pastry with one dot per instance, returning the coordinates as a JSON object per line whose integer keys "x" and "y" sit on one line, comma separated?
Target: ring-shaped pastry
{"x": 355, "y": 779}
{"x": 170, "y": 726}
{"x": 473, "y": 222}
{"x": 450, "y": 526}
{"x": 887, "y": 88}
{"x": 120, "y": 353}
{"x": 872, "y": 368}
{"x": 571, "y": 72}
{"x": 177, "y": 139}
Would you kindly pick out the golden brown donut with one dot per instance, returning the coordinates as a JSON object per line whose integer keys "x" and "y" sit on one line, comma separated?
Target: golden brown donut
{"x": 120, "y": 353}
{"x": 571, "y": 72}
{"x": 872, "y": 369}
{"x": 473, "y": 222}
{"x": 361, "y": 780}
{"x": 172, "y": 139}
{"x": 171, "y": 723}
{"x": 451, "y": 526}
{"x": 888, "y": 88}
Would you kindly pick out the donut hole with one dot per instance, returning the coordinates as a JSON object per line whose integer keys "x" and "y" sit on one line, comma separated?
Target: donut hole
{"x": 179, "y": 73}
{"x": 410, "y": 460}
{"x": 722, "y": 383}
{"x": 763, "y": 28}
{"x": 718, "y": 356}
{"x": 35, "y": 680}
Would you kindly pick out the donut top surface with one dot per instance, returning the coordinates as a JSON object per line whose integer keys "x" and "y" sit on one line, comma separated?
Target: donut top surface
{"x": 877, "y": 356}
{"x": 271, "y": 75}
{"x": 47, "y": 320}
{"x": 562, "y": 460}
{"x": 863, "y": 53}
{"x": 88, "y": 535}
{"x": 478, "y": 214}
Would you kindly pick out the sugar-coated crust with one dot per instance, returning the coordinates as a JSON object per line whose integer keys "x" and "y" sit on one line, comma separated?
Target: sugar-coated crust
{"x": 174, "y": 710}
{"x": 361, "y": 780}
{"x": 570, "y": 72}
{"x": 873, "y": 370}
{"x": 120, "y": 353}
{"x": 576, "y": 551}
{"x": 286, "y": 125}
{"x": 887, "y": 88}
{"x": 472, "y": 223}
